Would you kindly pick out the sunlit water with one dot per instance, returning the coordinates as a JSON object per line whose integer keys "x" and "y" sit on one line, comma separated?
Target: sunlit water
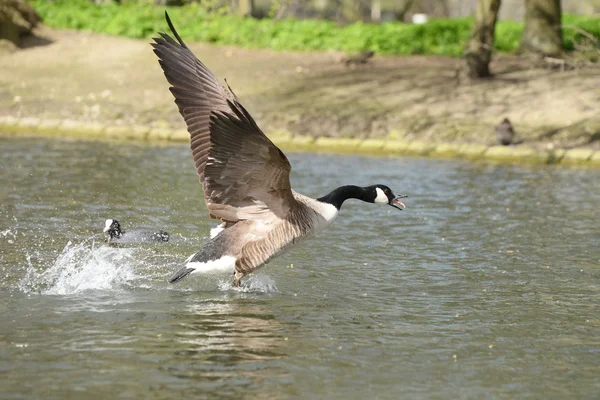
{"x": 487, "y": 286}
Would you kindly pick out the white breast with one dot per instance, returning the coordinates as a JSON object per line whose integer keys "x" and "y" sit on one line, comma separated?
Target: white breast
{"x": 325, "y": 213}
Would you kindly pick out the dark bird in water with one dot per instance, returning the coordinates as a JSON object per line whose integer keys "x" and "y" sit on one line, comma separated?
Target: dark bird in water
{"x": 245, "y": 177}
{"x": 116, "y": 236}
{"x": 505, "y": 133}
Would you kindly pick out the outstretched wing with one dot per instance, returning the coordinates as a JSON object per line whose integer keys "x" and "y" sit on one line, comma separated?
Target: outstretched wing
{"x": 242, "y": 172}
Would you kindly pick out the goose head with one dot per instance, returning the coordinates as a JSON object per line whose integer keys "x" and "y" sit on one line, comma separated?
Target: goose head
{"x": 382, "y": 194}
{"x": 112, "y": 227}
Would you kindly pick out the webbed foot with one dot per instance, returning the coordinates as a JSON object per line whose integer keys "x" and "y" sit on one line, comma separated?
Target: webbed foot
{"x": 237, "y": 277}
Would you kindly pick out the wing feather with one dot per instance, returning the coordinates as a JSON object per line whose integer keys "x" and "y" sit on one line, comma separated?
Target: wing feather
{"x": 243, "y": 174}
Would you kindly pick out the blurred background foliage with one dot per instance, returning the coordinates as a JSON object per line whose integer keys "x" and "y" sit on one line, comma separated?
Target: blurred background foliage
{"x": 344, "y": 25}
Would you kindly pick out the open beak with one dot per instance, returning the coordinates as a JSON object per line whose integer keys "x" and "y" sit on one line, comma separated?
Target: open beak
{"x": 397, "y": 203}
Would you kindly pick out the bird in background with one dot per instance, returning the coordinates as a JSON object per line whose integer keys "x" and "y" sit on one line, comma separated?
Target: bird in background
{"x": 505, "y": 134}
{"x": 115, "y": 235}
{"x": 245, "y": 177}
{"x": 358, "y": 58}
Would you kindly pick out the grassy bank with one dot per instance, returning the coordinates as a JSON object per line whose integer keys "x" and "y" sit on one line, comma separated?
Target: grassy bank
{"x": 438, "y": 37}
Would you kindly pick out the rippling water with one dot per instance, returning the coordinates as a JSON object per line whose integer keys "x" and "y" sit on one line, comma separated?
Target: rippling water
{"x": 487, "y": 286}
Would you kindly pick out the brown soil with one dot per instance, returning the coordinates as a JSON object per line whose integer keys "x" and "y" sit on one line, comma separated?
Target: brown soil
{"x": 92, "y": 77}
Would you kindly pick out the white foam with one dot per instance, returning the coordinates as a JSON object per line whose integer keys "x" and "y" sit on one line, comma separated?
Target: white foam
{"x": 216, "y": 230}
{"x": 7, "y": 232}
{"x": 9, "y": 235}
{"x": 82, "y": 267}
{"x": 252, "y": 284}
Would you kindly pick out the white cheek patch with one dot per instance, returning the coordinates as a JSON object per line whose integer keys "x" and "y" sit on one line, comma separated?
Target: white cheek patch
{"x": 107, "y": 224}
{"x": 381, "y": 197}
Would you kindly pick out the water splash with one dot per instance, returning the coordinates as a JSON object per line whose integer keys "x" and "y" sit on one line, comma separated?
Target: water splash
{"x": 81, "y": 267}
{"x": 10, "y": 235}
{"x": 254, "y": 284}
{"x": 84, "y": 267}
{"x": 216, "y": 230}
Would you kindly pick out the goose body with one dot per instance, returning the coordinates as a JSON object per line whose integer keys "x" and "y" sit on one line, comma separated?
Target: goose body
{"x": 115, "y": 235}
{"x": 245, "y": 177}
{"x": 250, "y": 244}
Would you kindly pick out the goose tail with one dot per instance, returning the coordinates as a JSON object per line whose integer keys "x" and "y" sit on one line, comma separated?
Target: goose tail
{"x": 180, "y": 274}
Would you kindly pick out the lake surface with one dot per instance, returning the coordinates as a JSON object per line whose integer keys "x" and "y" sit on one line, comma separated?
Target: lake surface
{"x": 486, "y": 286}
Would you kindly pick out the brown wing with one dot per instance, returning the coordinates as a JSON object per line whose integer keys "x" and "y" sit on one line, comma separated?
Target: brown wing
{"x": 242, "y": 172}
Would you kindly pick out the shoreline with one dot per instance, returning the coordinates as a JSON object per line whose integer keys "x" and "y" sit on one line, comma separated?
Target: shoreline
{"x": 69, "y": 85}
{"x": 520, "y": 154}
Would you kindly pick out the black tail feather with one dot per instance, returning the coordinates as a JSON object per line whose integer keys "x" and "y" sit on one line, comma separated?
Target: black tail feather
{"x": 180, "y": 274}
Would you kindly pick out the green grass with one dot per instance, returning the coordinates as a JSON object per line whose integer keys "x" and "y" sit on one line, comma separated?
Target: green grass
{"x": 142, "y": 20}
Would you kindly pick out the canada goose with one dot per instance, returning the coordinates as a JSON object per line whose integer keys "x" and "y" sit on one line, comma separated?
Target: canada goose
{"x": 505, "y": 133}
{"x": 245, "y": 177}
{"x": 115, "y": 236}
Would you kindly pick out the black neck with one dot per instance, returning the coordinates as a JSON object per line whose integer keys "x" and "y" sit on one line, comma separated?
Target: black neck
{"x": 343, "y": 193}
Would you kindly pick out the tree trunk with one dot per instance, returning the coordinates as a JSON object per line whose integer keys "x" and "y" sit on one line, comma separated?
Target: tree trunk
{"x": 481, "y": 44}
{"x": 401, "y": 7}
{"x": 167, "y": 2}
{"x": 542, "y": 33}
{"x": 376, "y": 10}
{"x": 246, "y": 8}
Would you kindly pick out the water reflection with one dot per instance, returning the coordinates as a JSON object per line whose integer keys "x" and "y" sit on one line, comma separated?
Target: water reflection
{"x": 232, "y": 343}
{"x": 230, "y": 331}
